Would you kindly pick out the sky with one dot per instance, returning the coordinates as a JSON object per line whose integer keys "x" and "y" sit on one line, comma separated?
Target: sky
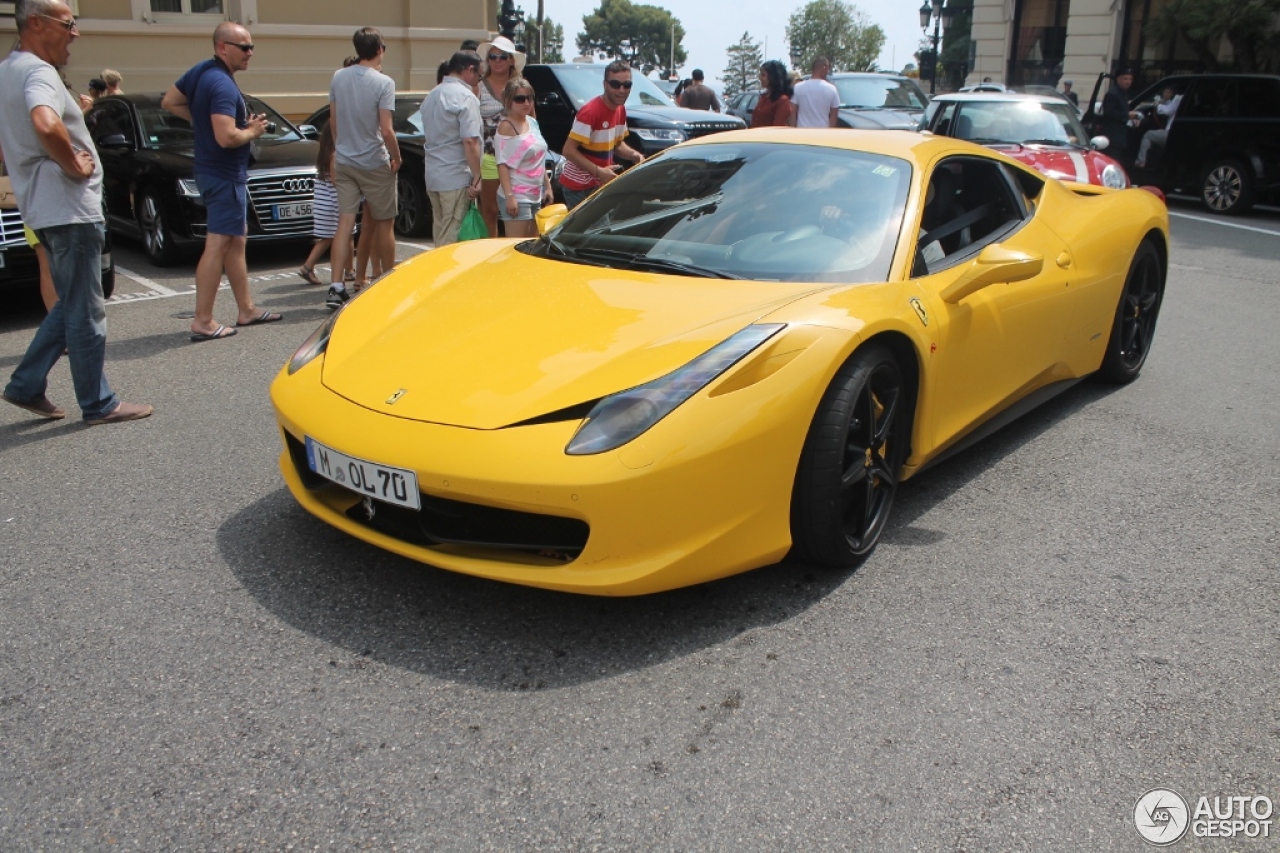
{"x": 712, "y": 26}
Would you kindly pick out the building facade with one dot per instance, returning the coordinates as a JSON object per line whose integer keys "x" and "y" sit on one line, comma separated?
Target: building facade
{"x": 1042, "y": 42}
{"x": 299, "y": 43}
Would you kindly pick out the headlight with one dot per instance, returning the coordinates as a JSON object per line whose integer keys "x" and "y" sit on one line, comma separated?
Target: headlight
{"x": 313, "y": 346}
{"x": 659, "y": 134}
{"x": 188, "y": 188}
{"x": 619, "y": 418}
{"x": 1113, "y": 176}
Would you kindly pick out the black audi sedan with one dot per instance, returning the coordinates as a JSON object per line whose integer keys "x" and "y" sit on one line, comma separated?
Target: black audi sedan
{"x": 149, "y": 185}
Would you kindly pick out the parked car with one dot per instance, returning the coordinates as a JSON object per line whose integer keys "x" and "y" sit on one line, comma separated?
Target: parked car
{"x": 149, "y": 185}
{"x": 19, "y": 269}
{"x": 879, "y": 101}
{"x": 413, "y": 215}
{"x": 1043, "y": 132}
{"x": 742, "y": 106}
{"x": 733, "y": 351}
{"x": 655, "y": 122}
{"x": 1223, "y": 144}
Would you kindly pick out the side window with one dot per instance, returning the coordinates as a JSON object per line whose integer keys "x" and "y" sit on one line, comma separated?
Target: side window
{"x": 1210, "y": 99}
{"x": 970, "y": 203}
{"x": 109, "y": 124}
{"x": 1260, "y": 98}
{"x": 944, "y": 121}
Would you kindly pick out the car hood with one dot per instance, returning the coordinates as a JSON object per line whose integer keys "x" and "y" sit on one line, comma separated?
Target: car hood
{"x": 481, "y": 335}
{"x": 1066, "y": 162}
{"x": 879, "y": 118}
{"x": 651, "y": 115}
{"x": 285, "y": 154}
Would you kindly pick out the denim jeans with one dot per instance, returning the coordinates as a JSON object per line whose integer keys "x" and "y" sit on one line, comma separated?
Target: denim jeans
{"x": 77, "y": 323}
{"x": 573, "y": 198}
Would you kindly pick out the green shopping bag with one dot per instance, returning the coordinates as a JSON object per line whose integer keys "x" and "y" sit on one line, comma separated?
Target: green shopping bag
{"x": 473, "y": 227}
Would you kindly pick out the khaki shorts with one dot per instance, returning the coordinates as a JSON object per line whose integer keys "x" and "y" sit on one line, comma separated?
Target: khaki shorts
{"x": 376, "y": 186}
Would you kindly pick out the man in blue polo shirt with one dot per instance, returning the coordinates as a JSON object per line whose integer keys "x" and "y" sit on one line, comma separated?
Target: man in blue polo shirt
{"x": 208, "y": 97}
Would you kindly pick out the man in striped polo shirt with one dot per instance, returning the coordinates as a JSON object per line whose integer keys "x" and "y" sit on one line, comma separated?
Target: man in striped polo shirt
{"x": 599, "y": 129}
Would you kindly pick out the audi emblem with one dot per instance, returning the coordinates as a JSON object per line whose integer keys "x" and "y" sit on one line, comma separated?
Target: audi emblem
{"x": 298, "y": 185}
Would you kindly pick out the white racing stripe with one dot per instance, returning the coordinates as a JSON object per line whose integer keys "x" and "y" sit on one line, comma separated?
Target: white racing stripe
{"x": 1224, "y": 222}
{"x": 1082, "y": 168}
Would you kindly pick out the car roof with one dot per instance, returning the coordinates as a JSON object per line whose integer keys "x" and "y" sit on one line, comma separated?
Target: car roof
{"x": 997, "y": 97}
{"x": 907, "y": 145}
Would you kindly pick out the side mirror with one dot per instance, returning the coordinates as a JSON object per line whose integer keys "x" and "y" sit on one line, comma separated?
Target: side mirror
{"x": 549, "y": 217}
{"x": 114, "y": 141}
{"x": 994, "y": 265}
{"x": 308, "y": 131}
{"x": 1098, "y": 143}
{"x": 550, "y": 99}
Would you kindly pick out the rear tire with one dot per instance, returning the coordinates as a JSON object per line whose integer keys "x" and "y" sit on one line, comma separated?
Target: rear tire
{"x": 1134, "y": 325}
{"x": 852, "y": 457}
{"x": 413, "y": 212}
{"x": 1226, "y": 187}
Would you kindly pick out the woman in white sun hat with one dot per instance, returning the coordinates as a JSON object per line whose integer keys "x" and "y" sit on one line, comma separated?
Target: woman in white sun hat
{"x": 499, "y": 63}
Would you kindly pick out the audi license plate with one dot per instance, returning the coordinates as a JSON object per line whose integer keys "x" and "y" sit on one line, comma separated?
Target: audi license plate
{"x": 291, "y": 211}
{"x": 381, "y": 482}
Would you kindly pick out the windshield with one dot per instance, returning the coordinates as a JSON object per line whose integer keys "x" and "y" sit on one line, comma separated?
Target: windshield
{"x": 877, "y": 91}
{"x": 763, "y": 211}
{"x": 1019, "y": 122}
{"x": 163, "y": 129}
{"x": 407, "y": 120}
{"x": 586, "y": 82}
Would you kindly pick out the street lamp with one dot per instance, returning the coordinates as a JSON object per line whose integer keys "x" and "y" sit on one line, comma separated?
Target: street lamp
{"x": 941, "y": 16}
{"x": 509, "y": 17}
{"x": 796, "y": 56}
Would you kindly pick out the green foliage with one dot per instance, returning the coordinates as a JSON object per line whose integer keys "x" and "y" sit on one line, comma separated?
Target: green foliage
{"x": 1249, "y": 25}
{"x": 742, "y": 68}
{"x": 839, "y": 31}
{"x": 547, "y": 48}
{"x": 642, "y": 35}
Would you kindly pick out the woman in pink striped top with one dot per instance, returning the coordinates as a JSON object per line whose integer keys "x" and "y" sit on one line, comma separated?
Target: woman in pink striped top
{"x": 521, "y": 153}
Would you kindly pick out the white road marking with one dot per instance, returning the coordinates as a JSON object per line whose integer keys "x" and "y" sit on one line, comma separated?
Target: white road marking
{"x": 1225, "y": 223}
{"x": 146, "y": 282}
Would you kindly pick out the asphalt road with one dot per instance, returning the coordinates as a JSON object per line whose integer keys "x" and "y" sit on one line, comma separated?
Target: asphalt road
{"x": 1081, "y": 609}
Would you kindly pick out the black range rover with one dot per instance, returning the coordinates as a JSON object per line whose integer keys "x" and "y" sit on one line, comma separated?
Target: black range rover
{"x": 147, "y": 159}
{"x": 653, "y": 118}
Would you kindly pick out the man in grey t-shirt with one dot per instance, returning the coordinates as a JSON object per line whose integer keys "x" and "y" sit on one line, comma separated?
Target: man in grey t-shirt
{"x": 55, "y": 173}
{"x": 362, "y": 101}
{"x": 451, "y": 146}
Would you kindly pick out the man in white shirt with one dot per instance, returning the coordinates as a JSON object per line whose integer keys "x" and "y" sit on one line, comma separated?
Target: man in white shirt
{"x": 1167, "y": 108}
{"x": 816, "y": 99}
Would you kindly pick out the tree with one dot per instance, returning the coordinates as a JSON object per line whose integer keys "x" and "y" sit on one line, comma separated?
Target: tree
{"x": 545, "y": 43}
{"x": 642, "y": 35}
{"x": 839, "y": 31}
{"x": 1249, "y": 26}
{"x": 742, "y": 68}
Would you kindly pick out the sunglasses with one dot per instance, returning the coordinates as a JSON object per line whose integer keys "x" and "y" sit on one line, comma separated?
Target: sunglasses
{"x": 494, "y": 57}
{"x": 67, "y": 24}
{"x": 245, "y": 47}
{"x": 521, "y": 99}
{"x": 619, "y": 84}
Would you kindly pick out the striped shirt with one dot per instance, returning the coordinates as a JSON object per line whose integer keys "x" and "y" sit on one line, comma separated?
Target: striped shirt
{"x": 598, "y": 129}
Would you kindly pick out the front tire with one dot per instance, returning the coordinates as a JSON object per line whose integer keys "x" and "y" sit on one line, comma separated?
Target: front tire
{"x": 1226, "y": 186}
{"x": 852, "y": 457}
{"x": 1134, "y": 325}
{"x": 157, "y": 239}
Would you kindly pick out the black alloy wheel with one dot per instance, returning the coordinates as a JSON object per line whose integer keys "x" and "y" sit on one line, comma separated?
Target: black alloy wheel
{"x": 851, "y": 462}
{"x": 1134, "y": 325}
{"x": 1226, "y": 186}
{"x": 413, "y": 212}
{"x": 156, "y": 238}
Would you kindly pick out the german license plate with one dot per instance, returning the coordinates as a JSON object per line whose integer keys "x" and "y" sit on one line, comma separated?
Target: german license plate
{"x": 381, "y": 482}
{"x": 292, "y": 211}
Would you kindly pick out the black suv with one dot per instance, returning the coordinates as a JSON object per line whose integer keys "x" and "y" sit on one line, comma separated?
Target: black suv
{"x": 1223, "y": 144}
{"x": 653, "y": 118}
{"x": 870, "y": 101}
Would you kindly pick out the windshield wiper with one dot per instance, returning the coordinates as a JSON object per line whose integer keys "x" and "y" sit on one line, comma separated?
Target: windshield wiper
{"x": 649, "y": 262}
{"x": 1045, "y": 142}
{"x": 642, "y": 219}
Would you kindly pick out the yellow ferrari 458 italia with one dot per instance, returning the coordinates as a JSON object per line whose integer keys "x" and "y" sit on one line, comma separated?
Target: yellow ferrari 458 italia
{"x": 734, "y": 351}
